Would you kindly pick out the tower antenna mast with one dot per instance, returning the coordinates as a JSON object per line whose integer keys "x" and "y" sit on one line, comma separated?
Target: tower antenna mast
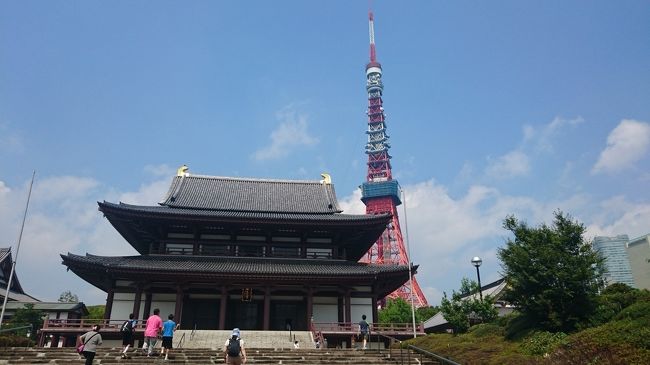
{"x": 380, "y": 193}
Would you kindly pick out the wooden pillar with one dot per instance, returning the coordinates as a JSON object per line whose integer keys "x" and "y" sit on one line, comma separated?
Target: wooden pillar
{"x": 178, "y": 310}
{"x": 136, "y": 302}
{"x": 339, "y": 305}
{"x": 310, "y": 307}
{"x": 375, "y": 314}
{"x": 109, "y": 303}
{"x": 348, "y": 308}
{"x": 267, "y": 308}
{"x": 222, "y": 308}
{"x": 147, "y": 306}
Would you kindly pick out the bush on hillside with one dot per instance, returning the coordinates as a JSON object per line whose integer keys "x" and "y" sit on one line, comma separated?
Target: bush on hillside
{"x": 518, "y": 326}
{"x": 613, "y": 300}
{"x": 486, "y": 329}
{"x": 542, "y": 342}
{"x": 15, "y": 341}
{"x": 624, "y": 340}
{"x": 637, "y": 311}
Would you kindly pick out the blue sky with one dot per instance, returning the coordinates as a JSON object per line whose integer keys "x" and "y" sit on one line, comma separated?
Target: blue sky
{"x": 513, "y": 107}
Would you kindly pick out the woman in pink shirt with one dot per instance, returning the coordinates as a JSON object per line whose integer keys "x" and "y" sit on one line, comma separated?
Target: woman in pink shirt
{"x": 154, "y": 326}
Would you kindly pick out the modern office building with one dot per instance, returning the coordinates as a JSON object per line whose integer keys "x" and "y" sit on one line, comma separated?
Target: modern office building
{"x": 638, "y": 251}
{"x": 617, "y": 262}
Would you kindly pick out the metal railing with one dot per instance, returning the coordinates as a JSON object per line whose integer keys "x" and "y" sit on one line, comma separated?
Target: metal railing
{"x": 402, "y": 354}
{"x": 431, "y": 355}
{"x": 180, "y": 342}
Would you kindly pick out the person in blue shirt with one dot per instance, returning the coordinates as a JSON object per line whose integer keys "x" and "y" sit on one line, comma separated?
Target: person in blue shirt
{"x": 167, "y": 335}
{"x": 128, "y": 327}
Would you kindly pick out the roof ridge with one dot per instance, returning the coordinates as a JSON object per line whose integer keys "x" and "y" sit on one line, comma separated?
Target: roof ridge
{"x": 253, "y": 179}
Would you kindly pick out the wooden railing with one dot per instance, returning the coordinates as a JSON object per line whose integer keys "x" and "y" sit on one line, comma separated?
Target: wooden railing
{"x": 87, "y": 324}
{"x": 384, "y": 328}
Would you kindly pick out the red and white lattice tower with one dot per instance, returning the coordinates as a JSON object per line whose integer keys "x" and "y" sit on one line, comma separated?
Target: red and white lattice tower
{"x": 380, "y": 193}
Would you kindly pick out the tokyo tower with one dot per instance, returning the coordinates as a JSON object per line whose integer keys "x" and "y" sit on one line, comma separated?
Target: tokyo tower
{"x": 381, "y": 193}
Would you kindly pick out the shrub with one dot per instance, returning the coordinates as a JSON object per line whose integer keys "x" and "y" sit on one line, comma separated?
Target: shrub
{"x": 543, "y": 342}
{"x": 487, "y": 329}
{"x": 519, "y": 326}
{"x": 635, "y": 311}
{"x": 15, "y": 341}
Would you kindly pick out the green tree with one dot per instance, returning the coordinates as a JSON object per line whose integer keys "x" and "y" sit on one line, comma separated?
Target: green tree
{"x": 95, "y": 312}
{"x": 553, "y": 274}
{"x": 464, "y": 309}
{"x": 27, "y": 316}
{"x": 424, "y": 313}
{"x": 396, "y": 311}
{"x": 68, "y": 297}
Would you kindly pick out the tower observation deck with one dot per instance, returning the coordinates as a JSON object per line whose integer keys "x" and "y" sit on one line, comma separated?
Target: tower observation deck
{"x": 380, "y": 193}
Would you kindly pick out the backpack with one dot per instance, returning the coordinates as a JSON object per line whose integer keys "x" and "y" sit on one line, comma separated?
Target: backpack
{"x": 234, "y": 348}
{"x": 127, "y": 326}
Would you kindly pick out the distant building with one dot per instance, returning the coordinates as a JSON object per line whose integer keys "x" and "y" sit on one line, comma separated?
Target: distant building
{"x": 617, "y": 262}
{"x": 638, "y": 250}
{"x": 438, "y": 323}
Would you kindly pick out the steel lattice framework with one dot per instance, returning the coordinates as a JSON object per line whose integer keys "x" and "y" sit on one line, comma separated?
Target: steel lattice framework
{"x": 380, "y": 193}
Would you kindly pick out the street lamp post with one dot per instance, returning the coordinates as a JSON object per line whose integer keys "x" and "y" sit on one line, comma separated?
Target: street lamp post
{"x": 476, "y": 261}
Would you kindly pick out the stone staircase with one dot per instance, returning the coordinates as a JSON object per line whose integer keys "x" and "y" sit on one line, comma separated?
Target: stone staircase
{"x": 202, "y": 356}
{"x": 254, "y": 339}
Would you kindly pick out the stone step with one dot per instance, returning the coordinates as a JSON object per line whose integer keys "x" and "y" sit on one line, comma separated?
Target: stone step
{"x": 263, "y": 356}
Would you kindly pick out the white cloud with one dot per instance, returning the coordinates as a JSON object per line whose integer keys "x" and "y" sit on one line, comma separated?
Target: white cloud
{"x": 617, "y": 215}
{"x": 512, "y": 164}
{"x": 63, "y": 218}
{"x": 292, "y": 132}
{"x": 626, "y": 144}
{"x": 542, "y": 138}
{"x": 536, "y": 140}
{"x": 162, "y": 170}
{"x": 4, "y": 189}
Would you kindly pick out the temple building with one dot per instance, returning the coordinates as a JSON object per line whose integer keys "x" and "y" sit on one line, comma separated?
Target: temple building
{"x": 258, "y": 254}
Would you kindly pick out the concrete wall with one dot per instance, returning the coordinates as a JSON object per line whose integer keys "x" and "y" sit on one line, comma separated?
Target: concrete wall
{"x": 359, "y": 307}
{"x": 325, "y": 310}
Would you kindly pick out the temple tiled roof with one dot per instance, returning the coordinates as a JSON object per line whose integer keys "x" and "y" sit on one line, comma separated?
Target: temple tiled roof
{"x": 251, "y": 195}
{"x": 225, "y": 214}
{"x": 16, "y": 292}
{"x": 168, "y": 270}
{"x": 219, "y": 266}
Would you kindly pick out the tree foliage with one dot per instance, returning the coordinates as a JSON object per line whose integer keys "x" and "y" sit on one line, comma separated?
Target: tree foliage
{"x": 465, "y": 309}
{"x": 27, "y": 316}
{"x": 615, "y": 298}
{"x": 553, "y": 274}
{"x": 95, "y": 312}
{"x": 424, "y": 313}
{"x": 398, "y": 310}
{"x": 68, "y": 297}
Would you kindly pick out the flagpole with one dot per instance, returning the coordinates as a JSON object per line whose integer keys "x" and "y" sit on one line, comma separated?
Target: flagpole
{"x": 13, "y": 264}
{"x": 408, "y": 249}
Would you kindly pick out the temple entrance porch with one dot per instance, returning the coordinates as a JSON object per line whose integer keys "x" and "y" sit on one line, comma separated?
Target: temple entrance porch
{"x": 201, "y": 311}
{"x": 198, "y": 306}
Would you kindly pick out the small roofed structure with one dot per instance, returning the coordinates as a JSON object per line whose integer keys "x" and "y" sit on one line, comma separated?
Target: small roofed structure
{"x": 16, "y": 292}
{"x": 438, "y": 323}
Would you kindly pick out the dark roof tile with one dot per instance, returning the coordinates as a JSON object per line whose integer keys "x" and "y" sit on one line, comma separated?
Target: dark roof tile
{"x": 251, "y": 195}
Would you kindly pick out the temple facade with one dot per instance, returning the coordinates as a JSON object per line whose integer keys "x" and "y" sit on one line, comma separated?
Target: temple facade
{"x": 221, "y": 252}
